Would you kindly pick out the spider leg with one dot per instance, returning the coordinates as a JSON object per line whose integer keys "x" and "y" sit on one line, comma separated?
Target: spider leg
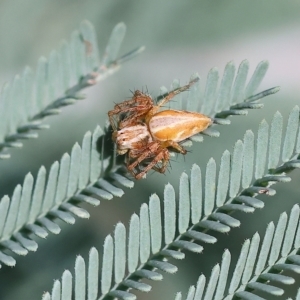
{"x": 174, "y": 145}
{"x": 144, "y": 103}
{"x": 138, "y": 99}
{"x": 175, "y": 92}
{"x": 145, "y": 153}
{"x": 165, "y": 161}
{"x": 163, "y": 155}
{"x": 135, "y": 117}
{"x": 137, "y": 107}
{"x": 127, "y": 103}
{"x": 119, "y": 108}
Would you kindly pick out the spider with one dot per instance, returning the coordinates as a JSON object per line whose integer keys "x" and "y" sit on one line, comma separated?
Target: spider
{"x": 145, "y": 134}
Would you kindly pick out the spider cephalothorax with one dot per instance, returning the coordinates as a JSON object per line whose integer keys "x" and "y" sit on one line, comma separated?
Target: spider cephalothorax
{"x": 145, "y": 134}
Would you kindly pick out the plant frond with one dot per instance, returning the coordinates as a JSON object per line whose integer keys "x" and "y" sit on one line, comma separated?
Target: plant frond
{"x": 298, "y": 295}
{"x": 198, "y": 214}
{"x": 34, "y": 207}
{"x": 260, "y": 267}
{"x": 30, "y": 97}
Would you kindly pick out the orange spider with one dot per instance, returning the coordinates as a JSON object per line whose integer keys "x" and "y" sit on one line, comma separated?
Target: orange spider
{"x": 145, "y": 133}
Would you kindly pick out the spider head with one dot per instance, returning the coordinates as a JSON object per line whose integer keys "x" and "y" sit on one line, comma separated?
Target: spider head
{"x": 131, "y": 138}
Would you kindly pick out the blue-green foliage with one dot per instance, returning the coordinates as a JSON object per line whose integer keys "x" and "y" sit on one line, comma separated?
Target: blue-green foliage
{"x": 258, "y": 267}
{"x": 194, "y": 230}
{"x": 30, "y": 97}
{"x": 206, "y": 199}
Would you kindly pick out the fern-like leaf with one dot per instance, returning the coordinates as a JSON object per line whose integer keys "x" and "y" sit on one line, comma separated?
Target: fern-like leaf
{"x": 259, "y": 267}
{"x": 209, "y": 213}
{"x": 30, "y": 97}
{"x": 33, "y": 208}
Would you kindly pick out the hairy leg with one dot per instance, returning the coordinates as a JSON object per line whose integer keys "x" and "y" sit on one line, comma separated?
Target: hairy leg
{"x": 165, "y": 161}
{"x": 163, "y": 156}
{"x": 138, "y": 106}
{"x": 146, "y": 152}
{"x": 174, "y": 145}
{"x": 135, "y": 117}
{"x": 175, "y": 92}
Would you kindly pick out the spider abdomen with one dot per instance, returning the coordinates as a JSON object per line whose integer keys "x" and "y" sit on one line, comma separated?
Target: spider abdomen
{"x": 177, "y": 125}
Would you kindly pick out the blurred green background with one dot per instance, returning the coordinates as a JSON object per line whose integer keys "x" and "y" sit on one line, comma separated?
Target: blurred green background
{"x": 181, "y": 37}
